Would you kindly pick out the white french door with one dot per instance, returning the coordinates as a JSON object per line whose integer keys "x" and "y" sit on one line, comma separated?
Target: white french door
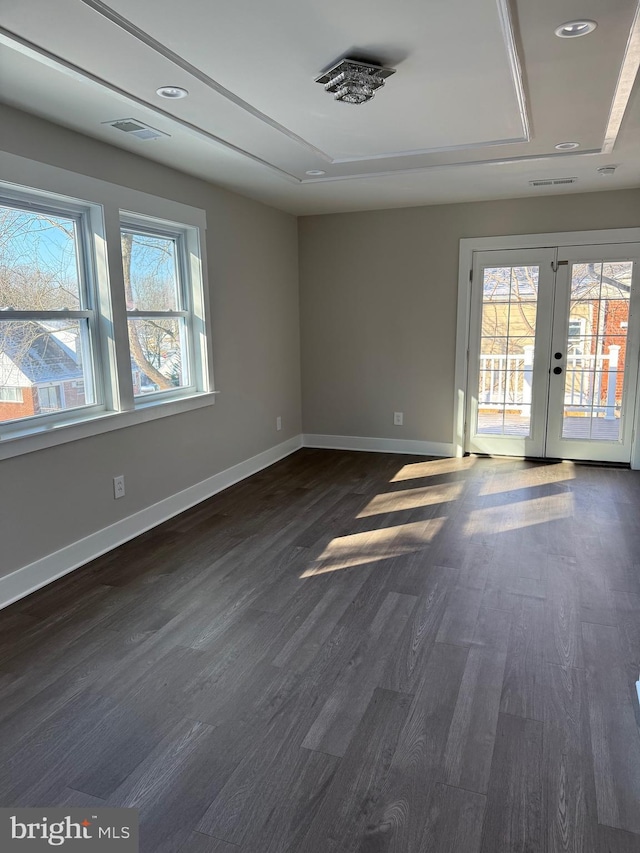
{"x": 553, "y": 352}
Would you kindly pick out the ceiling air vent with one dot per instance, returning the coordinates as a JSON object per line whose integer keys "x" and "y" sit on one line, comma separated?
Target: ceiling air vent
{"x": 552, "y": 182}
{"x": 136, "y": 128}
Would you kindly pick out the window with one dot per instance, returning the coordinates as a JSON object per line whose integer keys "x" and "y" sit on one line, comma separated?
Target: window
{"x": 10, "y": 395}
{"x": 158, "y": 314}
{"x": 50, "y": 399}
{"x": 577, "y": 327}
{"x": 95, "y": 335}
{"x": 575, "y": 337}
{"x": 47, "y": 315}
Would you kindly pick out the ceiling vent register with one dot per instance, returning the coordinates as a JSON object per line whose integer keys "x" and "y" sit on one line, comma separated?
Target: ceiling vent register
{"x": 552, "y": 182}
{"x": 354, "y": 82}
{"x": 136, "y": 128}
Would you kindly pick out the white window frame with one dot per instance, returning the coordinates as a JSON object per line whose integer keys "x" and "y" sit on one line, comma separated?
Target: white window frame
{"x": 102, "y": 206}
{"x": 188, "y": 296}
{"x": 79, "y": 214}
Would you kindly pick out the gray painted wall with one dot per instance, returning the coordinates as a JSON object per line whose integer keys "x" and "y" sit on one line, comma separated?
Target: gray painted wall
{"x": 377, "y": 315}
{"x": 51, "y": 498}
{"x": 378, "y": 294}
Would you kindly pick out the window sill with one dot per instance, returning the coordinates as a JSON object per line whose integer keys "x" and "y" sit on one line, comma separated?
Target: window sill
{"x": 40, "y": 437}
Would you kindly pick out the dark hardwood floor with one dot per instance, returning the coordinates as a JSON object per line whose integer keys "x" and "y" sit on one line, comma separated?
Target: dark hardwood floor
{"x": 348, "y": 652}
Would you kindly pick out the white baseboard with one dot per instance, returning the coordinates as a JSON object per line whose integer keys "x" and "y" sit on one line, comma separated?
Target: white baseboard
{"x": 35, "y": 575}
{"x": 379, "y": 445}
{"x": 29, "y": 578}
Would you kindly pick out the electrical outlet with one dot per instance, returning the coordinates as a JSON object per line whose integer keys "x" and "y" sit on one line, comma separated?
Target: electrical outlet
{"x": 118, "y": 486}
{"x": 278, "y": 423}
{"x": 398, "y": 418}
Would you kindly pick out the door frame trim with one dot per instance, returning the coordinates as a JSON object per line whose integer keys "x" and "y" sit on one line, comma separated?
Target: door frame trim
{"x": 469, "y": 245}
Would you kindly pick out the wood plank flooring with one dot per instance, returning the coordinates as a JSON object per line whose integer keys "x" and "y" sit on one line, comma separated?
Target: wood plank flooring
{"x": 348, "y": 653}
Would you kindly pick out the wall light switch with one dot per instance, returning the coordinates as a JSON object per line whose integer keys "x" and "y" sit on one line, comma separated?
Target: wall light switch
{"x": 398, "y": 418}
{"x": 278, "y": 422}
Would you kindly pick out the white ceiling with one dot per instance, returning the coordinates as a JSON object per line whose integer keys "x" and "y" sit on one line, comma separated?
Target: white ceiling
{"x": 482, "y": 93}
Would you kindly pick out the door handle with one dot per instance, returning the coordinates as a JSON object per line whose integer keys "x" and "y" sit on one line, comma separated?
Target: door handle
{"x": 557, "y": 370}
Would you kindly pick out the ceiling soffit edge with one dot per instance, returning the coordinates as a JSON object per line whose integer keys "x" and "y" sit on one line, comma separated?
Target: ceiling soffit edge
{"x": 45, "y": 57}
{"x": 439, "y": 167}
{"x": 626, "y": 80}
{"x": 147, "y": 39}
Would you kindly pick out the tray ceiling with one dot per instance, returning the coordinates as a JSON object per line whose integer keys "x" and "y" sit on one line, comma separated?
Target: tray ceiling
{"x": 479, "y": 86}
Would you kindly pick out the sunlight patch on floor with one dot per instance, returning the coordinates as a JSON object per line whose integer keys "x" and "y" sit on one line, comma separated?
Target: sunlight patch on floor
{"x": 412, "y": 499}
{"x": 492, "y": 520}
{"x": 356, "y": 549}
{"x": 521, "y": 479}
{"x": 430, "y": 468}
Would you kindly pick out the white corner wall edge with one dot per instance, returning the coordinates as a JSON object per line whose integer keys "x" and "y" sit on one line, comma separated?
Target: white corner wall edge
{"x": 29, "y": 578}
{"x": 379, "y": 445}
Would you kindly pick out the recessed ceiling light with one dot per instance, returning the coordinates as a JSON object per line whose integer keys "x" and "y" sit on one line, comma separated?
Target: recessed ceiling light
{"x": 567, "y": 146}
{"x": 573, "y": 29}
{"x": 315, "y": 172}
{"x": 172, "y": 92}
{"x": 607, "y": 171}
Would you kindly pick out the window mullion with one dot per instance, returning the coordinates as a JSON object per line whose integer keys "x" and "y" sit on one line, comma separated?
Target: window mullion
{"x": 114, "y": 324}
{"x": 194, "y": 260}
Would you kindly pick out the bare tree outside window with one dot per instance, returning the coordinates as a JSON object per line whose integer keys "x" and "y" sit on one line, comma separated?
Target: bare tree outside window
{"x": 156, "y": 315}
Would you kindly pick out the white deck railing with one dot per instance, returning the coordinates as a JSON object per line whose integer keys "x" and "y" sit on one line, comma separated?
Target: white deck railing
{"x": 505, "y": 381}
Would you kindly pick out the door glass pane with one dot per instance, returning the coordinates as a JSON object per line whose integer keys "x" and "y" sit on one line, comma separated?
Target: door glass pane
{"x": 596, "y": 350}
{"x": 509, "y": 309}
